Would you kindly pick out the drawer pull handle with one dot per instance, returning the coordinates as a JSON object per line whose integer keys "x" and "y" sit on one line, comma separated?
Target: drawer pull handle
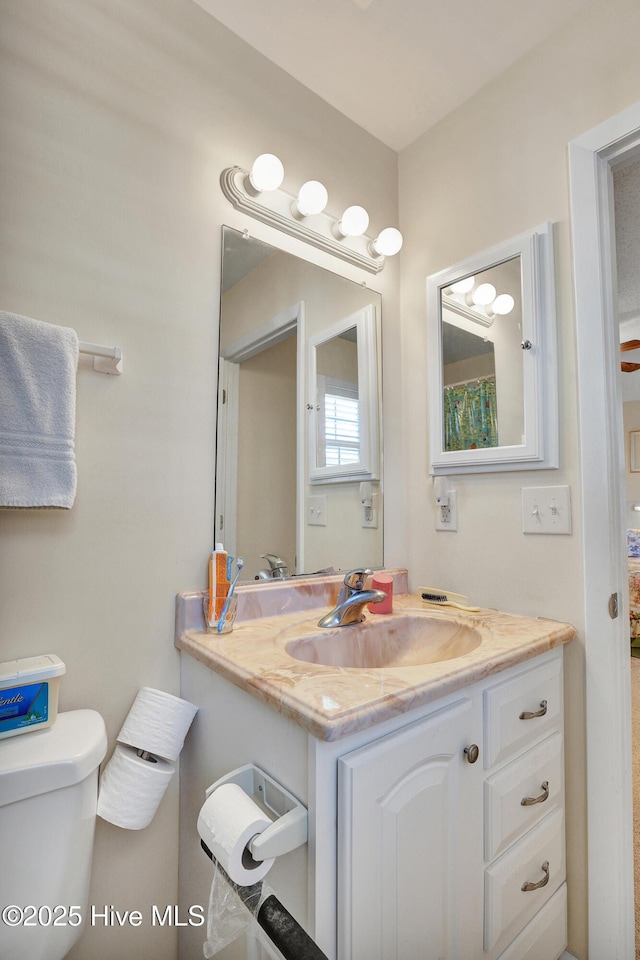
{"x": 529, "y": 801}
{"x": 527, "y": 715}
{"x": 541, "y": 883}
{"x": 472, "y": 752}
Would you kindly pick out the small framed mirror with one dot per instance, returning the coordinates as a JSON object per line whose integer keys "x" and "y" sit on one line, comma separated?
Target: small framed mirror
{"x": 344, "y": 400}
{"x": 492, "y": 359}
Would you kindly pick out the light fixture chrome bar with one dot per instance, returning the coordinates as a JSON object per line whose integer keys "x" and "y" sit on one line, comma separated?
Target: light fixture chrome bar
{"x": 273, "y": 207}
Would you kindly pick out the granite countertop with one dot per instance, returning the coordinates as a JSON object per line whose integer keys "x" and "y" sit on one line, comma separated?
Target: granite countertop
{"x": 332, "y": 701}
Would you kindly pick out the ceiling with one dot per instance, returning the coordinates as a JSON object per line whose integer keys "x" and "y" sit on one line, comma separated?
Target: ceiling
{"x": 394, "y": 67}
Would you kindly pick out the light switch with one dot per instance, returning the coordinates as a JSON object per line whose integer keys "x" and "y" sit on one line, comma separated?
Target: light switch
{"x": 317, "y": 511}
{"x": 546, "y": 510}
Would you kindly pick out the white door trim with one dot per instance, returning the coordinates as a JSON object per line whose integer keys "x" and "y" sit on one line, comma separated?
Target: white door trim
{"x": 609, "y": 794}
{"x": 274, "y": 330}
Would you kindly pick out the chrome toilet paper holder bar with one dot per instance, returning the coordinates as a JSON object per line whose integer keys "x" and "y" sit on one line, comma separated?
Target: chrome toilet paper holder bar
{"x": 289, "y": 828}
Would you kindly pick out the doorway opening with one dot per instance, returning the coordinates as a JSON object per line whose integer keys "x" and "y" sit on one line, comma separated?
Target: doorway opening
{"x": 593, "y": 159}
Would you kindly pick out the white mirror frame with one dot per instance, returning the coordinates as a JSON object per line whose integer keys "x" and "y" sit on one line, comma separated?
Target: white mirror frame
{"x": 540, "y": 447}
{"x": 368, "y": 466}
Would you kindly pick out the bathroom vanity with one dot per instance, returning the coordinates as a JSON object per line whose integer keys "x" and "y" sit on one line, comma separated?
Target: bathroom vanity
{"x": 434, "y": 786}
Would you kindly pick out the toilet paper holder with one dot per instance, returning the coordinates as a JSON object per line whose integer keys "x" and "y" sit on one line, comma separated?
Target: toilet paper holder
{"x": 289, "y": 828}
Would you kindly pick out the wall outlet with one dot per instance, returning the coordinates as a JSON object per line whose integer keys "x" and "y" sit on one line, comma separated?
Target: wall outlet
{"x": 370, "y": 514}
{"x": 317, "y": 511}
{"x": 447, "y": 517}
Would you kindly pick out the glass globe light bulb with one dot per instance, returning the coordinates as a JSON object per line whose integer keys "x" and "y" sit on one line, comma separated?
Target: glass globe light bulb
{"x": 484, "y": 294}
{"x": 312, "y": 198}
{"x": 463, "y": 286}
{"x": 354, "y": 221}
{"x": 503, "y": 304}
{"x": 267, "y": 172}
{"x": 388, "y": 242}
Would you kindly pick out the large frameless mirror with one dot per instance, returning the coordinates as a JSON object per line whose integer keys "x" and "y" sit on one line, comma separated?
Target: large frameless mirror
{"x": 492, "y": 359}
{"x": 273, "y": 497}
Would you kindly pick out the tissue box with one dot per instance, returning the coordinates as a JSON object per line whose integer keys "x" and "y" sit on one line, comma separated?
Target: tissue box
{"x": 633, "y": 543}
{"x": 29, "y": 694}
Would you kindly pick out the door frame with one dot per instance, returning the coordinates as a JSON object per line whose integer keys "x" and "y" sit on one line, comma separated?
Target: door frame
{"x": 267, "y": 334}
{"x": 592, "y": 159}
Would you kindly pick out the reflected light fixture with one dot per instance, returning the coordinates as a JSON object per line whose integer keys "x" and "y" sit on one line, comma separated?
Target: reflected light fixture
{"x": 259, "y": 194}
{"x": 482, "y": 295}
{"x": 463, "y": 286}
{"x": 482, "y": 304}
{"x": 501, "y": 306}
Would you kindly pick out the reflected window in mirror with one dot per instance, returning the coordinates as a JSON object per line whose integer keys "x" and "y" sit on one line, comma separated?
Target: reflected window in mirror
{"x": 492, "y": 359}
{"x": 337, "y": 402}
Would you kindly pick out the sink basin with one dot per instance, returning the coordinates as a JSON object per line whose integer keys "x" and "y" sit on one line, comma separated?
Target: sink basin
{"x": 407, "y": 640}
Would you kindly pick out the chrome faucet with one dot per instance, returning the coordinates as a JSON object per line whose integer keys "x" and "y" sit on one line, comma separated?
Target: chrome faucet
{"x": 277, "y": 568}
{"x": 351, "y": 600}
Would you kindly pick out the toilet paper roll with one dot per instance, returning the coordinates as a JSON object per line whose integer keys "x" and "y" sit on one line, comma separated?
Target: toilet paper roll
{"x": 157, "y": 722}
{"x": 227, "y": 821}
{"x": 131, "y": 788}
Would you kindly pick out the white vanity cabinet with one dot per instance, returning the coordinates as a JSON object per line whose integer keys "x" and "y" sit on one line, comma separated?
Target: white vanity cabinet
{"x": 434, "y": 791}
{"x": 440, "y": 857}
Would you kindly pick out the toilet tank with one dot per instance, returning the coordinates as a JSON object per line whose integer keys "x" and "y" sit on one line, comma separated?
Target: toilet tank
{"x": 48, "y": 794}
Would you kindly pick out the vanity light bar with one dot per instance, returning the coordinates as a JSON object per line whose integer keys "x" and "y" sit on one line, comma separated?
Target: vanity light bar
{"x": 344, "y": 237}
{"x": 481, "y": 309}
{"x": 456, "y": 306}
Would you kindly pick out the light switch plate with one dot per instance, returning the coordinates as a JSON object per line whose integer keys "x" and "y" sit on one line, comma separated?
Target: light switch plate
{"x": 546, "y": 510}
{"x": 317, "y": 511}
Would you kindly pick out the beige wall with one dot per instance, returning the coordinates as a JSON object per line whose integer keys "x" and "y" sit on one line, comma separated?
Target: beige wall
{"x": 116, "y": 119}
{"x": 496, "y": 167}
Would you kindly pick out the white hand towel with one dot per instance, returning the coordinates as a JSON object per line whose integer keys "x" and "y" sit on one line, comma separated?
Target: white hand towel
{"x": 38, "y": 363}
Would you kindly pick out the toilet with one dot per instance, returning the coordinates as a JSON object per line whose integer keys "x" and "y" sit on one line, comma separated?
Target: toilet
{"x": 48, "y": 794}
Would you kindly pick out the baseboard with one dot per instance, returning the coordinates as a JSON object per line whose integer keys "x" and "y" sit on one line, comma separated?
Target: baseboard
{"x": 567, "y": 956}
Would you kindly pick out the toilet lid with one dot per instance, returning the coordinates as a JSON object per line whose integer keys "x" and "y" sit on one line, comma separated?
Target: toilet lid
{"x": 44, "y": 760}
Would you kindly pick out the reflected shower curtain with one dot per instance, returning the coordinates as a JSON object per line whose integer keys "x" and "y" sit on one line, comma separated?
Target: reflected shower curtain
{"x": 470, "y": 415}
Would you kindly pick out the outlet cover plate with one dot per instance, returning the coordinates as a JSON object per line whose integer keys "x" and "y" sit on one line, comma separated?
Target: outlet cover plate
{"x": 447, "y": 517}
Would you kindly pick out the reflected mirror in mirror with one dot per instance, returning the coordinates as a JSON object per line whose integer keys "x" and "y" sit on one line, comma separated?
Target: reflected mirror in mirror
{"x": 492, "y": 359}
{"x": 267, "y": 509}
{"x": 482, "y": 360}
{"x": 344, "y": 400}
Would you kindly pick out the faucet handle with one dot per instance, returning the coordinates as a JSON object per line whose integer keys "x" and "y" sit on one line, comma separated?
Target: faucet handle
{"x": 357, "y": 578}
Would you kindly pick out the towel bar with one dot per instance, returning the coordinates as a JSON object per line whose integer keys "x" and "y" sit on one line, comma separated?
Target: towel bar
{"x": 105, "y": 359}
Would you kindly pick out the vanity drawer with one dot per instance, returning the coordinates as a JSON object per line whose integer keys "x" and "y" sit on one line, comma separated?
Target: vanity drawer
{"x": 505, "y": 816}
{"x": 546, "y": 935}
{"x": 521, "y": 711}
{"x": 537, "y": 859}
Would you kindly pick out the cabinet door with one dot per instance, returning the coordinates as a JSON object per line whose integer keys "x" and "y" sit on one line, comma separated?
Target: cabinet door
{"x": 410, "y": 843}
